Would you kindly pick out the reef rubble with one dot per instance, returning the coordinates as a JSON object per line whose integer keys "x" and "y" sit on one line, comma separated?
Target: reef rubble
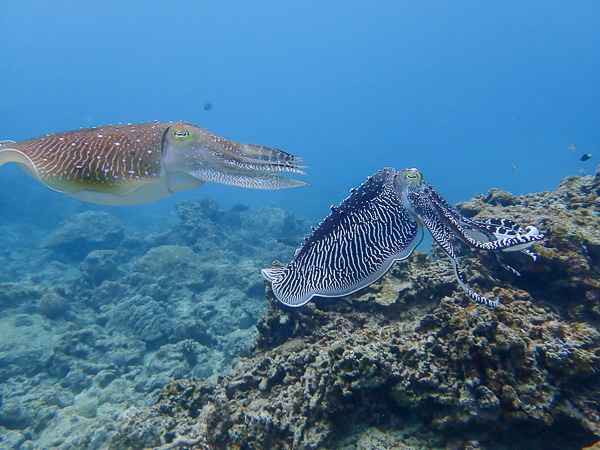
{"x": 411, "y": 362}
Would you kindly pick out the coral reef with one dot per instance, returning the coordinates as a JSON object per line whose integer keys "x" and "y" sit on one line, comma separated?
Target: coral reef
{"x": 411, "y": 361}
{"x": 97, "y": 318}
{"x": 85, "y": 232}
{"x": 135, "y": 341}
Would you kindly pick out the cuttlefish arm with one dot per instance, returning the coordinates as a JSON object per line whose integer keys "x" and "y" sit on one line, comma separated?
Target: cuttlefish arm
{"x": 445, "y": 223}
{"x": 497, "y": 232}
{"x": 142, "y": 163}
{"x": 491, "y": 234}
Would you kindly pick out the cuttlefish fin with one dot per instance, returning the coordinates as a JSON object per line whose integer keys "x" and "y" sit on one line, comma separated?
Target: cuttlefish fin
{"x": 138, "y": 192}
{"x": 8, "y": 155}
{"x": 12, "y": 155}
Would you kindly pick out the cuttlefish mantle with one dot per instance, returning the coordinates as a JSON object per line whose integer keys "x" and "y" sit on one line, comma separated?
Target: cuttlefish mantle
{"x": 380, "y": 223}
{"x": 141, "y": 163}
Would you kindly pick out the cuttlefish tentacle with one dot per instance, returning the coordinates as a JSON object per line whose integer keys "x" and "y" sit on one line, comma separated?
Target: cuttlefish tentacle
{"x": 503, "y": 228}
{"x": 245, "y": 165}
{"x": 443, "y": 237}
{"x": 378, "y": 224}
{"x": 511, "y": 237}
{"x": 493, "y": 234}
{"x": 141, "y": 163}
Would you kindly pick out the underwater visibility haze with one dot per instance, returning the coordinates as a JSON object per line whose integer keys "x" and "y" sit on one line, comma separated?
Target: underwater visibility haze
{"x": 140, "y": 319}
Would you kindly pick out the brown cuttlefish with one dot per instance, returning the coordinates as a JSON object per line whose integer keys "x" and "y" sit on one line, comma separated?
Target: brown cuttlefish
{"x": 141, "y": 163}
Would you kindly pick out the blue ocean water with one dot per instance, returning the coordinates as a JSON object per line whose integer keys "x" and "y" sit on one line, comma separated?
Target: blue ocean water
{"x": 477, "y": 95}
{"x": 461, "y": 90}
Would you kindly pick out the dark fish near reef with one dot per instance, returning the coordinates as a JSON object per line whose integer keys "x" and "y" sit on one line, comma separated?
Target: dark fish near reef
{"x": 289, "y": 242}
{"x": 142, "y": 163}
{"x": 586, "y": 157}
{"x": 380, "y": 223}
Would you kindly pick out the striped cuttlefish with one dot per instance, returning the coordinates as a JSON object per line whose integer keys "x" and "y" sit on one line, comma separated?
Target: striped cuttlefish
{"x": 382, "y": 222}
{"x": 141, "y": 163}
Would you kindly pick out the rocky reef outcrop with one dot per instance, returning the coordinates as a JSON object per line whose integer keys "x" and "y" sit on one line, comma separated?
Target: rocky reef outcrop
{"x": 411, "y": 362}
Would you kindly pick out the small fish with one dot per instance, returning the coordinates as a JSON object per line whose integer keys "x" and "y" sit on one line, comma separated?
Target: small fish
{"x": 586, "y": 157}
{"x": 289, "y": 242}
{"x": 572, "y": 148}
{"x": 513, "y": 168}
{"x": 207, "y": 106}
{"x": 583, "y": 172}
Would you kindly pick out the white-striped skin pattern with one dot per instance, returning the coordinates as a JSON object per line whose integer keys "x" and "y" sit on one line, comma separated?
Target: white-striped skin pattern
{"x": 380, "y": 223}
{"x": 142, "y": 163}
{"x": 101, "y": 158}
{"x": 352, "y": 247}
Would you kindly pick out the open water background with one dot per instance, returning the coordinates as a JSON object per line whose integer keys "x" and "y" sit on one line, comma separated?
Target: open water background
{"x": 461, "y": 90}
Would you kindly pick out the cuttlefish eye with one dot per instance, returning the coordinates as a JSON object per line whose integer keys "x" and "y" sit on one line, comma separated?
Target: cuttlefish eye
{"x": 414, "y": 176}
{"x": 181, "y": 134}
